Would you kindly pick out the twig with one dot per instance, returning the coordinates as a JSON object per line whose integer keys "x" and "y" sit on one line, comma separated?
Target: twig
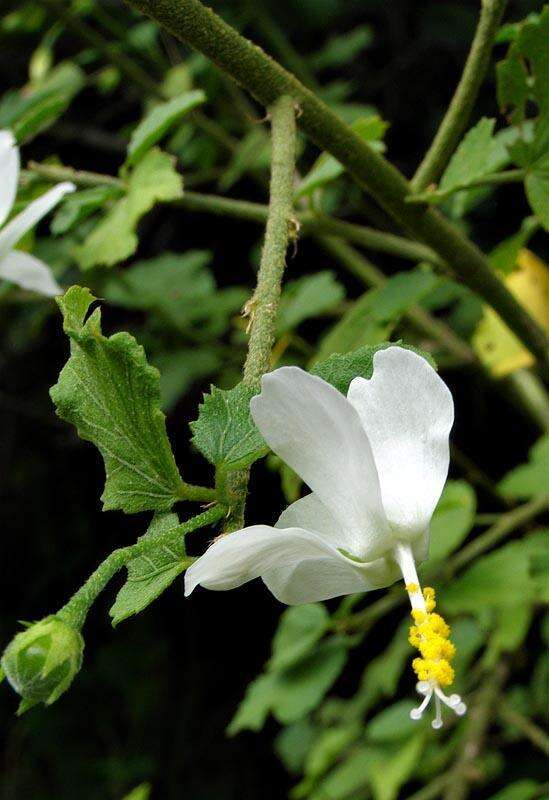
{"x": 458, "y": 113}
{"x": 493, "y": 179}
{"x": 266, "y": 80}
{"x": 529, "y": 729}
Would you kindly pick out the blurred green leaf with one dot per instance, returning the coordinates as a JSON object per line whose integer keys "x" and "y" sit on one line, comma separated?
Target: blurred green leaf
{"x": 150, "y": 575}
{"x": 528, "y": 480}
{"x": 78, "y": 206}
{"x": 253, "y": 153}
{"x": 111, "y": 395}
{"x": 32, "y": 109}
{"x": 299, "y": 629}
{"x": 326, "y": 168}
{"x": 293, "y": 744}
{"x": 342, "y": 49}
{"x": 307, "y": 297}
{"x": 114, "y": 239}
{"x": 519, "y": 790}
{"x": 504, "y": 256}
{"x": 392, "y": 724}
{"x": 453, "y": 519}
{"x": 179, "y": 369}
{"x": 158, "y": 123}
{"x": 224, "y": 432}
{"x": 496, "y": 580}
{"x": 391, "y": 770}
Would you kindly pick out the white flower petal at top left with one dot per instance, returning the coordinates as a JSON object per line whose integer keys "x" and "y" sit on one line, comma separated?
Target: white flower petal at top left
{"x": 16, "y": 266}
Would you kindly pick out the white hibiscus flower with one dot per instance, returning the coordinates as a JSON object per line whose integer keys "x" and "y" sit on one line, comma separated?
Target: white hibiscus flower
{"x": 376, "y": 462}
{"x": 16, "y": 266}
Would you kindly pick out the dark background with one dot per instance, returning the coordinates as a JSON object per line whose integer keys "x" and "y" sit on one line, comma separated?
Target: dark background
{"x": 154, "y": 697}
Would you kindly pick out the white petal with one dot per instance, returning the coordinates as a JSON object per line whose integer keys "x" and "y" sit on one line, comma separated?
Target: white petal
{"x": 407, "y": 412}
{"x": 9, "y": 173}
{"x": 310, "y": 513}
{"x": 315, "y": 430}
{"x": 244, "y": 555}
{"x": 315, "y": 579}
{"x": 33, "y": 213}
{"x": 29, "y": 272}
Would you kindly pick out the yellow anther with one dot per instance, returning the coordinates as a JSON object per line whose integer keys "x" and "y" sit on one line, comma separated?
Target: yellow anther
{"x": 412, "y": 588}
{"x": 430, "y": 635}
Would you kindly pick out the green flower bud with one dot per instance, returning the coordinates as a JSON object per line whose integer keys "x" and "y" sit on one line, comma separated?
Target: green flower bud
{"x": 41, "y": 661}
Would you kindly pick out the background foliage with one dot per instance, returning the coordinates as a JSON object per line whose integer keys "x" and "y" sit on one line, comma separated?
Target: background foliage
{"x": 328, "y": 713}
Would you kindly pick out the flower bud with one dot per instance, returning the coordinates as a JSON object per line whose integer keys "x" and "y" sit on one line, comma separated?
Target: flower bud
{"x": 41, "y": 661}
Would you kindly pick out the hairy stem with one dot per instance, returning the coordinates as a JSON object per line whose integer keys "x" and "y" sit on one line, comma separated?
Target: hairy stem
{"x": 459, "y": 111}
{"x": 266, "y": 80}
{"x": 264, "y": 303}
{"x": 75, "y": 611}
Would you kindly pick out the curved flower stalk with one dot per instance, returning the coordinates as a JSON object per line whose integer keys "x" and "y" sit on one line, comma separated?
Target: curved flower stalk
{"x": 16, "y": 266}
{"x": 376, "y": 462}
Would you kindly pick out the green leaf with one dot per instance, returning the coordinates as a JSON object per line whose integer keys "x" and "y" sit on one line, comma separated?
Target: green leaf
{"x": 528, "y": 480}
{"x": 291, "y": 693}
{"x": 453, "y": 519}
{"x": 78, "y": 206}
{"x": 307, "y": 297}
{"x": 32, "y": 109}
{"x": 341, "y": 49}
{"x": 479, "y": 153}
{"x": 524, "y": 73}
{"x": 141, "y": 792}
{"x": 511, "y": 626}
{"x": 328, "y": 748}
{"x": 326, "y": 168}
{"x": 293, "y": 744}
{"x": 179, "y": 369}
{"x": 493, "y": 581}
{"x": 340, "y": 368}
{"x": 151, "y": 574}
{"x": 393, "y": 768}
{"x": 253, "y": 153}
{"x": 114, "y": 239}
{"x": 373, "y": 316}
{"x": 505, "y": 255}
{"x": 351, "y": 778}
{"x": 518, "y": 790}
{"x": 299, "y": 629}
{"x": 382, "y": 674}
{"x": 159, "y": 121}
{"x": 224, "y": 432}
{"x": 392, "y": 724}
{"x": 111, "y": 395}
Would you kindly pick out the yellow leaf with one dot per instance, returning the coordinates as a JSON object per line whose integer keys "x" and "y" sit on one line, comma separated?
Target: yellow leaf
{"x": 496, "y": 346}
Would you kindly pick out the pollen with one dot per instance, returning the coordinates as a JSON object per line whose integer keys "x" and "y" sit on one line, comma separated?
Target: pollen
{"x": 430, "y": 635}
{"x": 412, "y": 588}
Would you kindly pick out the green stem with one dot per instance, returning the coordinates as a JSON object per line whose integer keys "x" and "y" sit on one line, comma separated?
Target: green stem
{"x": 529, "y": 729}
{"x": 200, "y": 494}
{"x": 76, "y": 610}
{"x": 266, "y": 80}
{"x": 264, "y": 304}
{"x": 433, "y": 789}
{"x": 507, "y": 524}
{"x": 309, "y": 223}
{"x": 492, "y": 179}
{"x": 459, "y": 111}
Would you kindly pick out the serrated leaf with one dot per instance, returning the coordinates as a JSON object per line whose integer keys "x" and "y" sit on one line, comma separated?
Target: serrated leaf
{"x": 307, "y": 297}
{"x": 151, "y": 574}
{"x": 340, "y": 368}
{"x": 114, "y": 239}
{"x": 111, "y": 395}
{"x": 159, "y": 121}
{"x": 78, "y": 206}
{"x": 505, "y": 255}
{"x": 453, "y": 519}
{"x": 225, "y": 432}
{"x": 531, "y": 479}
